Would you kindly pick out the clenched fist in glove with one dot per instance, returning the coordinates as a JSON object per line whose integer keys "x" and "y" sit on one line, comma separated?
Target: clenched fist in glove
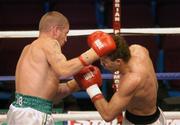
{"x": 101, "y": 44}
{"x": 89, "y": 78}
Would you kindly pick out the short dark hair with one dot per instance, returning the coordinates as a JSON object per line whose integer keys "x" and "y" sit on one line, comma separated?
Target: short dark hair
{"x": 122, "y": 49}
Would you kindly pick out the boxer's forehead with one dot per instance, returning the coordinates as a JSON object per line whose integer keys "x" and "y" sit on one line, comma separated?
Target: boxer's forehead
{"x": 104, "y": 59}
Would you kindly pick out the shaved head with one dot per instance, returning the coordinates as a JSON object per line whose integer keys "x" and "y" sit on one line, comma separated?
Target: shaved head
{"x": 52, "y": 18}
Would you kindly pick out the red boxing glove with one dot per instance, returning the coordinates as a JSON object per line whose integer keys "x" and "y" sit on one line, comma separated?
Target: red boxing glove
{"x": 101, "y": 42}
{"x": 89, "y": 78}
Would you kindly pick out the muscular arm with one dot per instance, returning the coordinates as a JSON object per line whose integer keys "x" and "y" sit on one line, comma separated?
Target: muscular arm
{"x": 58, "y": 61}
{"x": 64, "y": 89}
{"x": 119, "y": 101}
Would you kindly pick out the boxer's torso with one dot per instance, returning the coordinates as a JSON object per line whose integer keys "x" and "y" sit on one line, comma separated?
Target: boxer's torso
{"x": 144, "y": 100}
{"x": 34, "y": 75}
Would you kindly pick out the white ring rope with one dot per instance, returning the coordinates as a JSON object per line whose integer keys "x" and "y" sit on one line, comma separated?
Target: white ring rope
{"x": 92, "y": 115}
{"x": 32, "y": 34}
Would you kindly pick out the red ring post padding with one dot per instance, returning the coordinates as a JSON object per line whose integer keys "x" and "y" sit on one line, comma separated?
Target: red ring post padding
{"x": 116, "y": 16}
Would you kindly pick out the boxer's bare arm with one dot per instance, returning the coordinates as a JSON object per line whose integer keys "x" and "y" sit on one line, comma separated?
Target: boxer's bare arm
{"x": 58, "y": 61}
{"x": 119, "y": 101}
{"x": 73, "y": 86}
{"x": 65, "y": 89}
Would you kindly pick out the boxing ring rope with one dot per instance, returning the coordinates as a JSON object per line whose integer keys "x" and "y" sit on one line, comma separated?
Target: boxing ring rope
{"x": 91, "y": 115}
{"x": 160, "y": 76}
{"x": 132, "y": 31}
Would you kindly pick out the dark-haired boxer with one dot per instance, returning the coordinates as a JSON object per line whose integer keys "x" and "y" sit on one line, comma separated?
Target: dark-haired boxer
{"x": 137, "y": 86}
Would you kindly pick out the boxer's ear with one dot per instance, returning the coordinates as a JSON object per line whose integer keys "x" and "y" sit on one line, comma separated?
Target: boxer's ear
{"x": 119, "y": 61}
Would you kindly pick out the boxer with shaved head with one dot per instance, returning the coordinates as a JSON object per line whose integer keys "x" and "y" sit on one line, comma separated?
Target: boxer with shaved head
{"x": 42, "y": 64}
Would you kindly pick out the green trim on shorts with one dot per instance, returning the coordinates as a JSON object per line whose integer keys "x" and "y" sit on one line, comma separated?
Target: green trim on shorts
{"x": 24, "y": 101}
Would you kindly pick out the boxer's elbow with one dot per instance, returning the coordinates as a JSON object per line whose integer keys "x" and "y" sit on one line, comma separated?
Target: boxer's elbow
{"x": 66, "y": 69}
{"x": 64, "y": 73}
{"x": 107, "y": 116}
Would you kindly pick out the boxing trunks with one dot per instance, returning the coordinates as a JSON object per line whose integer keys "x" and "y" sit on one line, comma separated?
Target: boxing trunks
{"x": 29, "y": 110}
{"x": 157, "y": 118}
